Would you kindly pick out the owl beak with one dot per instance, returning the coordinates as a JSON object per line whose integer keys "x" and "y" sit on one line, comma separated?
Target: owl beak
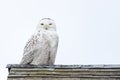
{"x": 46, "y": 27}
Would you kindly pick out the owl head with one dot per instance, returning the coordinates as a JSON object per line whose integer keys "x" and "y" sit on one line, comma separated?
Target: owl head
{"x": 46, "y": 24}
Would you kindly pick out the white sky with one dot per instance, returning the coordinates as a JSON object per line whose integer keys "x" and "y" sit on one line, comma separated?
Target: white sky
{"x": 89, "y": 30}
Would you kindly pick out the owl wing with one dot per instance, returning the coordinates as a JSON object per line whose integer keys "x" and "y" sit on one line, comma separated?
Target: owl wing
{"x": 29, "y": 50}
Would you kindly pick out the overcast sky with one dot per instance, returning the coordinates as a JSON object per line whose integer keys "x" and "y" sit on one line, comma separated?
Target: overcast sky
{"x": 89, "y": 30}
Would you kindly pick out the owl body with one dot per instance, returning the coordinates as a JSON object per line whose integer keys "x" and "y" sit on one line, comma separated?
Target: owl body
{"x": 41, "y": 49}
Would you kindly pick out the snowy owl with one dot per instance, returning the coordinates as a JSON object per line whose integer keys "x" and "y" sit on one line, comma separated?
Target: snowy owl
{"x": 41, "y": 48}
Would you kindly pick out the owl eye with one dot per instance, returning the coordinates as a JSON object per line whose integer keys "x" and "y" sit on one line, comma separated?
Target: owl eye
{"x": 50, "y": 23}
{"x": 41, "y": 24}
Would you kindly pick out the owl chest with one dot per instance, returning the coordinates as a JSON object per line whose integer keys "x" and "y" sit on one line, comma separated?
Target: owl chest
{"x": 50, "y": 39}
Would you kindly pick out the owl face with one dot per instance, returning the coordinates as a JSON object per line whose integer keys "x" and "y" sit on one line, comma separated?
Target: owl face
{"x": 47, "y": 24}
